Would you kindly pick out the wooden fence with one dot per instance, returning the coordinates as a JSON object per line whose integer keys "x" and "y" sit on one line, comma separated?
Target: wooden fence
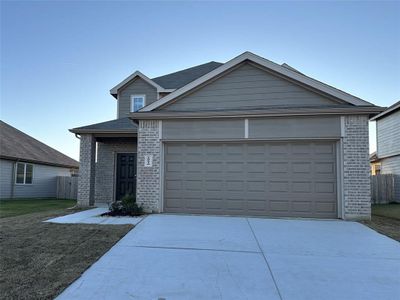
{"x": 67, "y": 187}
{"x": 382, "y": 188}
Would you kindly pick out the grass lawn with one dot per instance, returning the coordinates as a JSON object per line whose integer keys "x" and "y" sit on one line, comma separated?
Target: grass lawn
{"x": 16, "y": 207}
{"x": 387, "y": 210}
{"x": 39, "y": 260}
{"x": 386, "y": 220}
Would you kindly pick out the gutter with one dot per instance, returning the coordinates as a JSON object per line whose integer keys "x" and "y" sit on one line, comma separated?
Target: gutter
{"x": 273, "y": 112}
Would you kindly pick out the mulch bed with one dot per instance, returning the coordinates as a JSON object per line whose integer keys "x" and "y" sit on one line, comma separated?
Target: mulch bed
{"x": 39, "y": 260}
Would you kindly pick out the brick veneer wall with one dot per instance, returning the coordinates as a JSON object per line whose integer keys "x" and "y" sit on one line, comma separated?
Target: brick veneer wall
{"x": 148, "y": 191}
{"x": 105, "y": 168}
{"x": 356, "y": 169}
{"x": 86, "y": 180}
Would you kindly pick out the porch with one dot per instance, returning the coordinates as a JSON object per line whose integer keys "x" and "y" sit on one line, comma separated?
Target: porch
{"x": 107, "y": 161}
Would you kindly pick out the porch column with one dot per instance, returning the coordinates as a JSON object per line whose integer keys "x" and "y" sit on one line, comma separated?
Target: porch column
{"x": 86, "y": 182}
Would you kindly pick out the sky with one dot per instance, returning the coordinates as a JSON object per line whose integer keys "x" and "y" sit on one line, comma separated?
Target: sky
{"x": 60, "y": 59}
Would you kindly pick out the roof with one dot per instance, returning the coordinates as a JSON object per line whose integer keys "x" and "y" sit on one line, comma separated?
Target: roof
{"x": 179, "y": 79}
{"x": 391, "y": 109}
{"x": 285, "y": 71}
{"x": 16, "y": 145}
{"x": 373, "y": 157}
{"x": 168, "y": 83}
{"x": 122, "y": 125}
{"x": 114, "y": 90}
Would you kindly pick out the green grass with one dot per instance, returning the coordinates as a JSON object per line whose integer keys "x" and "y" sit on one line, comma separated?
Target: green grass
{"x": 17, "y": 207}
{"x": 387, "y": 210}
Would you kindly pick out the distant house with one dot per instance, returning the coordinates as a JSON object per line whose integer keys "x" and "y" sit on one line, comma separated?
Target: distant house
{"x": 387, "y": 157}
{"x": 29, "y": 168}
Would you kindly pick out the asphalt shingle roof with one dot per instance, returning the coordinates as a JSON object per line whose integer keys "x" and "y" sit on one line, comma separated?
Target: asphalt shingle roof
{"x": 14, "y": 144}
{"x": 179, "y": 79}
{"x": 120, "y": 125}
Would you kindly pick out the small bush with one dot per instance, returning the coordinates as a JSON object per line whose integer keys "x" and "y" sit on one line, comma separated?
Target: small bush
{"x": 127, "y": 206}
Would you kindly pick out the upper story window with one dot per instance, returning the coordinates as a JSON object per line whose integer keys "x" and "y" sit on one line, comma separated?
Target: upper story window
{"x": 137, "y": 102}
{"x": 24, "y": 173}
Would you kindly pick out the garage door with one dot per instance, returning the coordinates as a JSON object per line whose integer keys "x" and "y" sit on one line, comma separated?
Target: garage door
{"x": 295, "y": 179}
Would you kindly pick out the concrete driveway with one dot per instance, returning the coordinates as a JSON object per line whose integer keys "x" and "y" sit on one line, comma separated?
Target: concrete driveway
{"x": 206, "y": 257}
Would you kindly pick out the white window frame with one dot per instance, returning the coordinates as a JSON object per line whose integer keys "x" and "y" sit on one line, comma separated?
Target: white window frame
{"x": 16, "y": 173}
{"x": 133, "y": 102}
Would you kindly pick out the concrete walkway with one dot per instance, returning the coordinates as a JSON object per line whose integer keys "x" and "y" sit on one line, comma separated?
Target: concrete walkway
{"x": 92, "y": 216}
{"x": 205, "y": 257}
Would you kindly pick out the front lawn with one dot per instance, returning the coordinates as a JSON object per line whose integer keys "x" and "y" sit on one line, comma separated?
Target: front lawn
{"x": 385, "y": 219}
{"x": 17, "y": 207}
{"x": 39, "y": 260}
{"x": 387, "y": 210}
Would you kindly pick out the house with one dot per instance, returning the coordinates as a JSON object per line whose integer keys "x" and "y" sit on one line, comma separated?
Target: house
{"x": 245, "y": 137}
{"x": 29, "y": 168}
{"x": 387, "y": 158}
{"x": 375, "y": 164}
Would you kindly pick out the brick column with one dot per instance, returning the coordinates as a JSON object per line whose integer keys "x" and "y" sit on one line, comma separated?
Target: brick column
{"x": 356, "y": 169}
{"x": 86, "y": 182}
{"x": 148, "y": 184}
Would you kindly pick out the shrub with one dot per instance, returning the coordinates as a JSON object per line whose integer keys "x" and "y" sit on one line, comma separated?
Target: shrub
{"x": 127, "y": 206}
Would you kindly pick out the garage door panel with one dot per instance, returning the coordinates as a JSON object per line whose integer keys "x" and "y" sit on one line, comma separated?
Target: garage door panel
{"x": 234, "y": 185}
{"x": 257, "y": 178}
{"x": 301, "y": 206}
{"x": 302, "y": 187}
{"x": 279, "y": 186}
{"x": 278, "y": 167}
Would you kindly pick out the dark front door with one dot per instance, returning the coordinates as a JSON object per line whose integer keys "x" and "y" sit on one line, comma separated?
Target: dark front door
{"x": 126, "y": 174}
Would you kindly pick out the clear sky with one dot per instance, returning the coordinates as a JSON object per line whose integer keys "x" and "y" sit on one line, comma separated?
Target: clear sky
{"x": 59, "y": 59}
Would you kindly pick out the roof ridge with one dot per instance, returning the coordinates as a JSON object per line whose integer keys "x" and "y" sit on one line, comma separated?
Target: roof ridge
{"x": 187, "y": 69}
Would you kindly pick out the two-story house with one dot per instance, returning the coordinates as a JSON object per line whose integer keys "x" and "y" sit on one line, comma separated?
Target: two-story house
{"x": 387, "y": 157}
{"x": 245, "y": 137}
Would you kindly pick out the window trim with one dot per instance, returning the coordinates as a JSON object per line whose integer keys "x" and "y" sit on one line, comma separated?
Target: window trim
{"x": 16, "y": 173}
{"x": 133, "y": 102}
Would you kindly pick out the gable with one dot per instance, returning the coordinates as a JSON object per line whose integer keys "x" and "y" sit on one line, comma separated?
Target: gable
{"x": 135, "y": 87}
{"x": 248, "y": 86}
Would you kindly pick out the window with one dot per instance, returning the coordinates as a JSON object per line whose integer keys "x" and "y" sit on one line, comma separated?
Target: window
{"x": 24, "y": 173}
{"x": 137, "y": 102}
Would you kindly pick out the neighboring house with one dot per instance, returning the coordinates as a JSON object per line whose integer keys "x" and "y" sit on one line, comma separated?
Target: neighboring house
{"x": 375, "y": 164}
{"x": 247, "y": 137}
{"x": 29, "y": 168}
{"x": 387, "y": 159}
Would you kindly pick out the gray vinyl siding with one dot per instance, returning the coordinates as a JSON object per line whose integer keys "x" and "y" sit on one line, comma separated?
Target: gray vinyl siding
{"x": 388, "y": 135}
{"x": 6, "y": 169}
{"x": 391, "y": 165}
{"x": 295, "y": 127}
{"x": 44, "y": 181}
{"x": 136, "y": 87}
{"x": 245, "y": 87}
{"x": 203, "y": 129}
{"x": 259, "y": 128}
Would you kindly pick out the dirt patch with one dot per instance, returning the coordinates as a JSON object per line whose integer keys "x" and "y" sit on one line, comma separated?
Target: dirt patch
{"x": 39, "y": 260}
{"x": 384, "y": 225}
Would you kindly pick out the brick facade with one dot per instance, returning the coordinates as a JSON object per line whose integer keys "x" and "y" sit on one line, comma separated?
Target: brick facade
{"x": 86, "y": 182}
{"x": 105, "y": 168}
{"x": 148, "y": 191}
{"x": 356, "y": 169}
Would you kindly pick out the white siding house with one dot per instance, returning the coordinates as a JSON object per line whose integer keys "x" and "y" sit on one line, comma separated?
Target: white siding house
{"x": 388, "y": 143}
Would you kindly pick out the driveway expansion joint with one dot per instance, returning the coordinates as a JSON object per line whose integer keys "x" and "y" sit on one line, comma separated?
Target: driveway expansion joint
{"x": 265, "y": 259}
{"x": 189, "y": 248}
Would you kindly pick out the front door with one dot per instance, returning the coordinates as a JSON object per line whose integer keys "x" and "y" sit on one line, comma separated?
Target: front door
{"x": 126, "y": 175}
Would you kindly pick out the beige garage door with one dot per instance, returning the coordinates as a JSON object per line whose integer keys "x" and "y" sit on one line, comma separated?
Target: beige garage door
{"x": 296, "y": 179}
